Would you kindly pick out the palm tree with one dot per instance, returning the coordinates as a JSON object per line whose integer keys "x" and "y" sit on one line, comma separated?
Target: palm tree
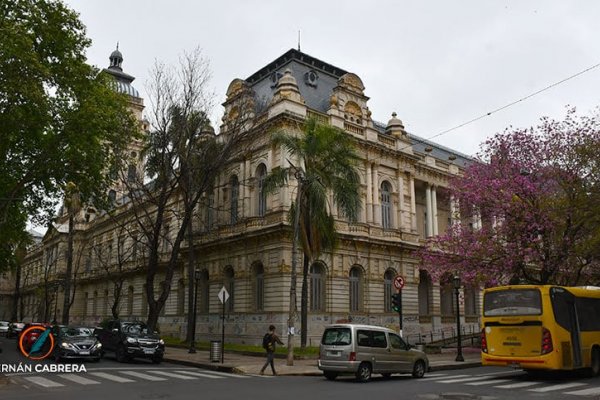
{"x": 327, "y": 158}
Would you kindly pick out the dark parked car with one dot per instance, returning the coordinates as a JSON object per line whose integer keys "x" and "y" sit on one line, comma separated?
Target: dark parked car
{"x": 14, "y": 329}
{"x": 4, "y": 325}
{"x": 30, "y": 336}
{"x": 129, "y": 339}
{"x": 76, "y": 342}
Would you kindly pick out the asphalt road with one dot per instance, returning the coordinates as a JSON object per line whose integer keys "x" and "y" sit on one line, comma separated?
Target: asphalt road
{"x": 143, "y": 380}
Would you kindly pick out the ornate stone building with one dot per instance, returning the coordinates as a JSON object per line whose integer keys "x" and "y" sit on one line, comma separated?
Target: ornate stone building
{"x": 243, "y": 237}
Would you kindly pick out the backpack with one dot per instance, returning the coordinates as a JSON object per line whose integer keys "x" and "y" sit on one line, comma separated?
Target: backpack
{"x": 266, "y": 341}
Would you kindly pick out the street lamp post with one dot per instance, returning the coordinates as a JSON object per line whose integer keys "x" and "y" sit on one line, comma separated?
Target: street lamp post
{"x": 459, "y": 356}
{"x": 193, "y": 338}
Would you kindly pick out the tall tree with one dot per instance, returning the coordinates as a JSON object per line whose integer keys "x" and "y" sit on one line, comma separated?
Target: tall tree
{"x": 327, "y": 160}
{"x": 183, "y": 158}
{"x": 537, "y": 193}
{"x": 59, "y": 118}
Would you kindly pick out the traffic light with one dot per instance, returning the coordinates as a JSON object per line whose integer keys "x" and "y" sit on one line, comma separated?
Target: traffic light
{"x": 396, "y": 302}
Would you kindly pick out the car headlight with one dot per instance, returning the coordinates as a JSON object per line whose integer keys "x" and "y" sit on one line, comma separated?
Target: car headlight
{"x": 65, "y": 345}
{"x": 131, "y": 340}
{"x": 161, "y": 341}
{"x": 97, "y": 345}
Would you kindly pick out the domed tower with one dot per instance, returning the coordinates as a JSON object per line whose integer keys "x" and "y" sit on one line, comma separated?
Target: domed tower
{"x": 123, "y": 82}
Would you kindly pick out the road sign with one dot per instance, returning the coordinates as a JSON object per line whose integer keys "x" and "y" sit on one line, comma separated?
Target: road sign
{"x": 398, "y": 282}
{"x": 223, "y": 295}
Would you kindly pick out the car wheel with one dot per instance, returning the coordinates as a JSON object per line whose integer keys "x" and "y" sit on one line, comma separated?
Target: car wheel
{"x": 121, "y": 354}
{"x": 386, "y": 375}
{"x": 419, "y": 369}
{"x": 330, "y": 375}
{"x": 595, "y": 364}
{"x": 363, "y": 374}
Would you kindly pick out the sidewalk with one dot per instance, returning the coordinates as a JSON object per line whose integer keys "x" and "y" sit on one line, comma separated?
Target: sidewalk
{"x": 244, "y": 364}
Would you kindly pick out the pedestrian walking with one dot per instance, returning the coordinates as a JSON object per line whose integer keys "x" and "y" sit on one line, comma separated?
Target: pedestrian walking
{"x": 270, "y": 341}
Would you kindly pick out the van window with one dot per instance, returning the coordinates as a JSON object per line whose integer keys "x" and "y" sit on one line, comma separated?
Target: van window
{"x": 396, "y": 342}
{"x": 336, "y": 337}
{"x": 371, "y": 339}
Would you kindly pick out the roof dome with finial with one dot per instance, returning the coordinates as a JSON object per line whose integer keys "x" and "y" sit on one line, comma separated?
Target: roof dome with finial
{"x": 395, "y": 126}
{"x": 122, "y": 80}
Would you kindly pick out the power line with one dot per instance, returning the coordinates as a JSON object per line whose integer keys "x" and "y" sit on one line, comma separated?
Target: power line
{"x": 507, "y": 105}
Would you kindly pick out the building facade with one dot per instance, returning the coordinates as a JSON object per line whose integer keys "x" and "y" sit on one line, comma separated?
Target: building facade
{"x": 242, "y": 240}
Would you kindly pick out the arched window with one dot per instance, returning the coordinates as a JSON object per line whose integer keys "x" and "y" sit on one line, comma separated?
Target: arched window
{"x": 424, "y": 293}
{"x": 204, "y": 290}
{"x": 386, "y": 205}
{"x": 471, "y": 308}
{"x": 317, "y": 287}
{"x": 130, "y": 300}
{"x": 446, "y": 297}
{"x": 259, "y": 287}
{"x": 131, "y": 173}
{"x": 388, "y": 289}
{"x": 180, "y": 297}
{"x": 235, "y": 194}
{"x": 229, "y": 283}
{"x": 261, "y": 174}
{"x": 355, "y": 289}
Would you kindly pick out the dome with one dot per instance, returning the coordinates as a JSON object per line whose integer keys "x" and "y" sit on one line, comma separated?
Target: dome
{"x": 126, "y": 88}
{"x": 395, "y": 126}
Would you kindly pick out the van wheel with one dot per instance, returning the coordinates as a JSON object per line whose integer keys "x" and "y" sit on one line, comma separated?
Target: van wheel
{"x": 330, "y": 375}
{"x": 419, "y": 369}
{"x": 595, "y": 364}
{"x": 364, "y": 372}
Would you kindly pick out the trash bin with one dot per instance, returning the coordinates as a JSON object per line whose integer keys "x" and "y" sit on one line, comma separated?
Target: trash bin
{"x": 215, "y": 351}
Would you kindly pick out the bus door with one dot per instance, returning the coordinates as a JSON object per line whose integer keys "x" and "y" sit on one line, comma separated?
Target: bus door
{"x": 565, "y": 313}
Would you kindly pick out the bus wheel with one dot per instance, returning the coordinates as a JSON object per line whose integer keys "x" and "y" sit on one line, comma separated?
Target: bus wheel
{"x": 595, "y": 364}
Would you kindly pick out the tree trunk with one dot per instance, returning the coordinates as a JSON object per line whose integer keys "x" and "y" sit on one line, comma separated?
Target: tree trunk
{"x": 117, "y": 295}
{"x": 191, "y": 283}
{"x": 304, "y": 303}
{"x": 17, "y": 296}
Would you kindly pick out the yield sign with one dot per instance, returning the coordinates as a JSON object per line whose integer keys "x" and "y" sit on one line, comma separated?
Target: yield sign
{"x": 223, "y": 295}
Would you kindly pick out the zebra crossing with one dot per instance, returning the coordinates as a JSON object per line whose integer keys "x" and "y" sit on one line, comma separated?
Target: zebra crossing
{"x": 99, "y": 376}
{"x": 501, "y": 381}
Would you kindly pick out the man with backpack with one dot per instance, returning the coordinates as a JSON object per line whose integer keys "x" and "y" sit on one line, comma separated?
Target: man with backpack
{"x": 270, "y": 341}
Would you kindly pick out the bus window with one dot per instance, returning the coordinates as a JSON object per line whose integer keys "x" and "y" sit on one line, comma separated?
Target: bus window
{"x": 512, "y": 302}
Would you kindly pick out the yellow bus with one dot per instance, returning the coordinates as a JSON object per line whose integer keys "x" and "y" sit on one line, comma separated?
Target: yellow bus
{"x": 537, "y": 327}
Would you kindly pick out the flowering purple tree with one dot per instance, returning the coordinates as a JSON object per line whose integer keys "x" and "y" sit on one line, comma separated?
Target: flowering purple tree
{"x": 536, "y": 194}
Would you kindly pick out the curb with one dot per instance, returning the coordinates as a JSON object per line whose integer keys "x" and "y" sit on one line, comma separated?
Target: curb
{"x": 214, "y": 367}
{"x": 445, "y": 367}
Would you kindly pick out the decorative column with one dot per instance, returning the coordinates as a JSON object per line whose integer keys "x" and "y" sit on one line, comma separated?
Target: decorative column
{"x": 434, "y": 210}
{"x": 243, "y": 188}
{"x": 400, "y": 201}
{"x": 429, "y": 211}
{"x": 248, "y": 177}
{"x": 369, "y": 205}
{"x": 285, "y": 189}
{"x": 375, "y": 191}
{"x": 413, "y": 203}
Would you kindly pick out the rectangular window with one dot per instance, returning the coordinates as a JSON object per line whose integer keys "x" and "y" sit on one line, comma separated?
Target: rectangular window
{"x": 512, "y": 302}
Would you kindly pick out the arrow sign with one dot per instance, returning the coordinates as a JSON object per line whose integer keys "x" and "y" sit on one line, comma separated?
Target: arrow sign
{"x": 223, "y": 295}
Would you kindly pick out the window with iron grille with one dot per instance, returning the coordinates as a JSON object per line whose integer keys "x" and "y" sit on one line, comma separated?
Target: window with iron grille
{"x": 355, "y": 289}
{"x": 317, "y": 288}
{"x": 386, "y": 205}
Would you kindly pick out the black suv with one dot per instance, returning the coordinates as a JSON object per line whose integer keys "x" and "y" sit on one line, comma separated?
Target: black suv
{"x": 129, "y": 339}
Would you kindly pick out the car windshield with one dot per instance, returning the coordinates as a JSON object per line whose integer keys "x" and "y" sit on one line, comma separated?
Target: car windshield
{"x": 336, "y": 337}
{"x": 135, "y": 328}
{"x": 75, "y": 332}
{"x": 512, "y": 302}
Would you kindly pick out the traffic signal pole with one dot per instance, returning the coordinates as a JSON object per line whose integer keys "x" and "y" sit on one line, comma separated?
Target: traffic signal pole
{"x": 400, "y": 309}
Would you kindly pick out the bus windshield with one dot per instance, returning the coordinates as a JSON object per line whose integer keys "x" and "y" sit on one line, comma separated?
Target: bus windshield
{"x": 512, "y": 302}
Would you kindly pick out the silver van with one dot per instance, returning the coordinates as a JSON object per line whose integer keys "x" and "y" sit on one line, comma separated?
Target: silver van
{"x": 363, "y": 350}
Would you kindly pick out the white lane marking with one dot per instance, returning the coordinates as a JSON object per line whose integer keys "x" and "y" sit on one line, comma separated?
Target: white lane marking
{"x": 143, "y": 376}
{"x": 442, "y": 377}
{"x": 490, "y": 382}
{"x": 272, "y": 376}
{"x": 433, "y": 375}
{"x": 585, "y": 392}
{"x": 38, "y": 380}
{"x": 200, "y": 374}
{"x": 459, "y": 380}
{"x": 111, "y": 377}
{"x": 557, "y": 387}
{"x": 517, "y": 385}
{"x": 231, "y": 375}
{"x": 78, "y": 379}
{"x": 170, "y": 375}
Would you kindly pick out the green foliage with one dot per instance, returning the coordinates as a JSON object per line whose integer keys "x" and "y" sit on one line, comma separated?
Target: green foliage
{"x": 60, "y": 120}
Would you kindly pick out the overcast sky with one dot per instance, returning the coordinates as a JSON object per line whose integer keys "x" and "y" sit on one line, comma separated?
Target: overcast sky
{"x": 437, "y": 64}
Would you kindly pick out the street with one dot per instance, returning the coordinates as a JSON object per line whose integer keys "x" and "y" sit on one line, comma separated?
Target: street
{"x": 141, "y": 379}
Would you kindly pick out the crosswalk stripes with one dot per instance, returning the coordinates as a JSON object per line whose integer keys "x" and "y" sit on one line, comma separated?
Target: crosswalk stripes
{"x": 172, "y": 375}
{"x": 462, "y": 380}
{"x": 143, "y": 376}
{"x": 227, "y": 375}
{"x": 586, "y": 392}
{"x": 200, "y": 374}
{"x": 488, "y": 382}
{"x": 556, "y": 387}
{"x": 517, "y": 385}
{"x": 111, "y": 377}
{"x": 78, "y": 379}
{"x": 41, "y": 381}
